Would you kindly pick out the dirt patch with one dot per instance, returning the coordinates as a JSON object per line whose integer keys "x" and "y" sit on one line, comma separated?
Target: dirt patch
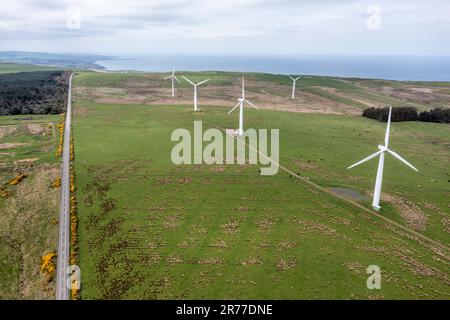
{"x": 27, "y": 160}
{"x": 7, "y": 130}
{"x": 175, "y": 259}
{"x": 286, "y": 264}
{"x": 349, "y": 194}
{"x": 35, "y": 129}
{"x": 230, "y": 227}
{"x": 219, "y": 244}
{"x": 413, "y": 216}
{"x": 251, "y": 261}
{"x": 10, "y": 145}
{"x": 213, "y": 260}
{"x": 283, "y": 245}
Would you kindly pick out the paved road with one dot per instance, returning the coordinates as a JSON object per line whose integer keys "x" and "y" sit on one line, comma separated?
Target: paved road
{"x": 62, "y": 292}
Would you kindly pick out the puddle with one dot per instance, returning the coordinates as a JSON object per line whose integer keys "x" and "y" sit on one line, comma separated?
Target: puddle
{"x": 349, "y": 194}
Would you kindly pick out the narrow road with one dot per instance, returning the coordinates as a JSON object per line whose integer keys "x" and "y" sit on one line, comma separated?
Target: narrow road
{"x": 62, "y": 291}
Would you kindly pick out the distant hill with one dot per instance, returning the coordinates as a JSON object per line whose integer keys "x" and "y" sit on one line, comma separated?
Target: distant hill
{"x": 81, "y": 61}
{"x": 38, "y": 92}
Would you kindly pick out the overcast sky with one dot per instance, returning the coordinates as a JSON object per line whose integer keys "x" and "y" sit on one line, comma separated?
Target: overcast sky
{"x": 241, "y": 27}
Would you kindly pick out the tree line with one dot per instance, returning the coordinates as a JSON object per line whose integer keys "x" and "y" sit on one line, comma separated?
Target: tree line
{"x": 439, "y": 115}
{"x": 39, "y": 92}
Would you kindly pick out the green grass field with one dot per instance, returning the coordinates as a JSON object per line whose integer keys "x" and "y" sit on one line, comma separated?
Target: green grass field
{"x": 150, "y": 229}
{"x": 6, "y": 67}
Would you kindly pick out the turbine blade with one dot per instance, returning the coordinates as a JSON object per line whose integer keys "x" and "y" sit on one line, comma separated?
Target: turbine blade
{"x": 188, "y": 80}
{"x": 176, "y": 79}
{"x": 168, "y": 77}
{"x": 366, "y": 159}
{"x": 298, "y": 77}
{"x": 292, "y": 78}
{"x": 388, "y": 128}
{"x": 396, "y": 155}
{"x": 202, "y": 82}
{"x": 254, "y": 106}
{"x": 232, "y": 109}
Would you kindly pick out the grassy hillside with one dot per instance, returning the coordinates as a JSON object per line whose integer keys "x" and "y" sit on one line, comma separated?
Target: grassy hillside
{"x": 150, "y": 229}
{"x": 6, "y": 67}
{"x": 314, "y": 93}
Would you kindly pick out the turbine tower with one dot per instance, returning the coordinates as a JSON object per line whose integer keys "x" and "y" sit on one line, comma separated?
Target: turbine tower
{"x": 173, "y": 78}
{"x": 294, "y": 81}
{"x": 381, "y": 153}
{"x": 195, "y": 90}
{"x": 240, "y": 104}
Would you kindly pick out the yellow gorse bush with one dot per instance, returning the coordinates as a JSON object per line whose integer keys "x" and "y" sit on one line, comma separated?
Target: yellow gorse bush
{"x": 56, "y": 183}
{"x": 18, "y": 179}
{"x": 48, "y": 265}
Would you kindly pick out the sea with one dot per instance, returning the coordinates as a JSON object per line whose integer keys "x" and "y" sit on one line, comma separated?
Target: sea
{"x": 405, "y": 68}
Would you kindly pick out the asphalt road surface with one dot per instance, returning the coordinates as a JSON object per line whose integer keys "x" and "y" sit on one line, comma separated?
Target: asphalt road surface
{"x": 62, "y": 291}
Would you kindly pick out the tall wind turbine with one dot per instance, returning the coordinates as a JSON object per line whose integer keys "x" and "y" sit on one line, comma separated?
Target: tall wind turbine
{"x": 195, "y": 90}
{"x": 173, "y": 78}
{"x": 240, "y": 104}
{"x": 383, "y": 150}
{"x": 294, "y": 81}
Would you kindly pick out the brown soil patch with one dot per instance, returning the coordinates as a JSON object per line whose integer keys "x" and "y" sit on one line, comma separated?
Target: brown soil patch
{"x": 230, "y": 227}
{"x": 10, "y": 145}
{"x": 251, "y": 261}
{"x": 286, "y": 264}
{"x": 213, "y": 260}
{"x": 175, "y": 259}
{"x": 413, "y": 216}
{"x": 27, "y": 160}
{"x": 7, "y": 130}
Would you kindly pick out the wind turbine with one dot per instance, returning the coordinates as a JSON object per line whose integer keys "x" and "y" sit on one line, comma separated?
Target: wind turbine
{"x": 383, "y": 150}
{"x": 195, "y": 90}
{"x": 294, "y": 80}
{"x": 240, "y": 104}
{"x": 173, "y": 78}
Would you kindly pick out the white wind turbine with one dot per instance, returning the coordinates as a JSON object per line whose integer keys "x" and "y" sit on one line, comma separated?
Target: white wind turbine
{"x": 383, "y": 149}
{"x": 173, "y": 78}
{"x": 195, "y": 90}
{"x": 240, "y": 104}
{"x": 294, "y": 81}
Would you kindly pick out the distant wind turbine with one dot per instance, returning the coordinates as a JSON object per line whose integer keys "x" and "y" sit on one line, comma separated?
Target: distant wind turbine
{"x": 294, "y": 81}
{"x": 383, "y": 150}
{"x": 173, "y": 78}
{"x": 240, "y": 104}
{"x": 195, "y": 90}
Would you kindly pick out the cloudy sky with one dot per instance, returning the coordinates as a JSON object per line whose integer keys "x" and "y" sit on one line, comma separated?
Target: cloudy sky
{"x": 241, "y": 27}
